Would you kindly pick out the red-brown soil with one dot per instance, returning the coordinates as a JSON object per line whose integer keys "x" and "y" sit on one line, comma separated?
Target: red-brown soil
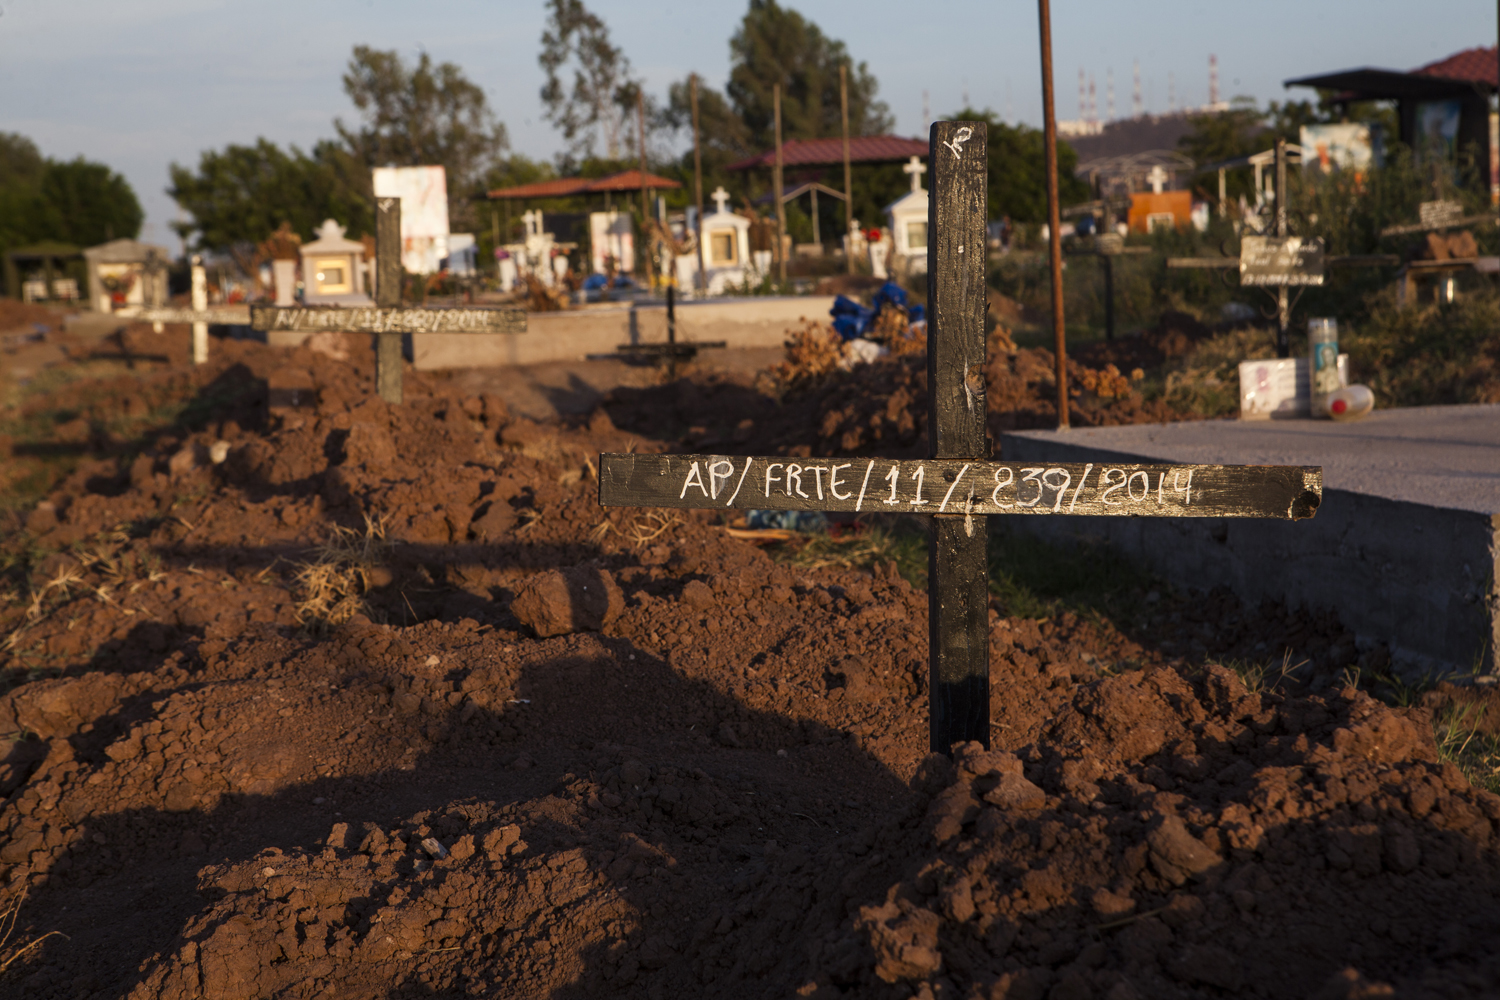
{"x": 724, "y": 791}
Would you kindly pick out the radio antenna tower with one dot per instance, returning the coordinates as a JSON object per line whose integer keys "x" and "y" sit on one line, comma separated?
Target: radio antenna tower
{"x": 1083, "y": 102}
{"x": 1213, "y": 81}
{"x": 1093, "y": 103}
{"x": 1171, "y": 93}
{"x": 1109, "y": 78}
{"x": 1137, "y": 105}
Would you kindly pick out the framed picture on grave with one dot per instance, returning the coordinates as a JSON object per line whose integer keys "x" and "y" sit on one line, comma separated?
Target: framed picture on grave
{"x": 332, "y": 276}
{"x": 916, "y": 235}
{"x": 722, "y": 245}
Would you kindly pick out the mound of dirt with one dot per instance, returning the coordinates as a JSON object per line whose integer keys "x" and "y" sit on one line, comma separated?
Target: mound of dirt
{"x": 335, "y": 698}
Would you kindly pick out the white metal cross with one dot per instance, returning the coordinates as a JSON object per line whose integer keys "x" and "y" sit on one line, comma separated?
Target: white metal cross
{"x": 1158, "y": 179}
{"x": 720, "y": 196}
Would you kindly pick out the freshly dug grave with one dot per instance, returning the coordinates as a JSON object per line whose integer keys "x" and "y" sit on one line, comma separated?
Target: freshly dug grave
{"x": 349, "y": 700}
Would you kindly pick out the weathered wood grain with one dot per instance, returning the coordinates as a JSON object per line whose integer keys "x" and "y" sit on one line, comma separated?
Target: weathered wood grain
{"x": 364, "y": 319}
{"x": 958, "y": 597}
{"x": 388, "y": 278}
{"x": 954, "y": 486}
{"x": 956, "y": 293}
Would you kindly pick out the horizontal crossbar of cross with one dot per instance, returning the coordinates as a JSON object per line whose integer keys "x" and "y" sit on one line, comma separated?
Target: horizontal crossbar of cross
{"x": 957, "y": 487}
{"x": 388, "y": 319}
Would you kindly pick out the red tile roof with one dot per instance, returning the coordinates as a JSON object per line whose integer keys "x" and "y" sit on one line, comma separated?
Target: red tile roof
{"x": 1476, "y": 65}
{"x": 560, "y": 188}
{"x": 629, "y": 180}
{"x": 829, "y": 152}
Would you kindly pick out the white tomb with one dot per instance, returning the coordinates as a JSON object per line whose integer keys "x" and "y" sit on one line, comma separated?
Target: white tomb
{"x": 907, "y": 216}
{"x": 611, "y": 235}
{"x": 726, "y": 251}
{"x": 333, "y": 269}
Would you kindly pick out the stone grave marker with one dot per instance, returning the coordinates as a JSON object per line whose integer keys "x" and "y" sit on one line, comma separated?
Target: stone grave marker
{"x": 957, "y": 485}
{"x": 388, "y": 319}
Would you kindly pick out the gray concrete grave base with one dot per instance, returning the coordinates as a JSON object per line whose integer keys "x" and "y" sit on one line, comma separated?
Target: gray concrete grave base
{"x": 1405, "y": 547}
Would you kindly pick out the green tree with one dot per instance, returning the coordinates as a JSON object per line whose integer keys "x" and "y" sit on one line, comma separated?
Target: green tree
{"x": 775, "y": 44}
{"x": 602, "y": 96}
{"x": 426, "y": 115}
{"x": 237, "y": 197}
{"x": 1018, "y": 169}
{"x": 88, "y": 203}
{"x": 75, "y": 201}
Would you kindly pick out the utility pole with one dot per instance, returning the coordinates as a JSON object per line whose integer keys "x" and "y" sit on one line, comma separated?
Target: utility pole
{"x": 1054, "y": 217}
{"x": 640, "y": 131}
{"x": 780, "y": 205}
{"x": 698, "y": 191}
{"x": 848, "y": 186}
{"x": 1283, "y": 302}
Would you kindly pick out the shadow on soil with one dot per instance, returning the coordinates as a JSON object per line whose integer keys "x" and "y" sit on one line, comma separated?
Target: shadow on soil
{"x": 546, "y": 762}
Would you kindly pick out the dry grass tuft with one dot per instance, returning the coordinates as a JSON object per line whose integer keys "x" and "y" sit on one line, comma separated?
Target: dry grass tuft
{"x": 813, "y": 352}
{"x": 331, "y": 588}
{"x": 650, "y": 526}
{"x": 10, "y": 952}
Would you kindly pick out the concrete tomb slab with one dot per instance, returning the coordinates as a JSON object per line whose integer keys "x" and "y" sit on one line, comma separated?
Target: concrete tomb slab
{"x": 1405, "y": 548}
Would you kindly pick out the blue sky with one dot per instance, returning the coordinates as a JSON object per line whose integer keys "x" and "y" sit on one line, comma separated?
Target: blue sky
{"x": 139, "y": 84}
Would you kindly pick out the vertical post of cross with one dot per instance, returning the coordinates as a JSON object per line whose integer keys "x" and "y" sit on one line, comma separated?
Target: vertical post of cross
{"x": 388, "y": 295}
{"x": 958, "y": 577}
{"x": 1283, "y": 303}
{"x": 199, "y": 287}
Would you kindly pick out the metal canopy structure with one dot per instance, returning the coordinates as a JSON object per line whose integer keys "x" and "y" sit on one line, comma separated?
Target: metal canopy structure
{"x": 49, "y": 254}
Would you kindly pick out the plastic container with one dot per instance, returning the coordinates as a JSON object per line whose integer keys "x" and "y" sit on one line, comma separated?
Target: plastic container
{"x": 1351, "y": 402}
{"x": 1323, "y": 362}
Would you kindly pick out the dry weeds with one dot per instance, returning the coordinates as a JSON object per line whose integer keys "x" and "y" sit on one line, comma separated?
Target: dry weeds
{"x": 331, "y": 587}
{"x": 10, "y": 953}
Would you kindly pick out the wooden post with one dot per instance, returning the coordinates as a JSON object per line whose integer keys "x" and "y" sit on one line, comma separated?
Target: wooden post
{"x": 848, "y": 186}
{"x": 958, "y": 592}
{"x": 698, "y": 191}
{"x": 1283, "y": 302}
{"x": 1054, "y": 217}
{"x": 780, "y": 205}
{"x": 388, "y": 295}
{"x": 640, "y": 134}
{"x": 200, "y": 303}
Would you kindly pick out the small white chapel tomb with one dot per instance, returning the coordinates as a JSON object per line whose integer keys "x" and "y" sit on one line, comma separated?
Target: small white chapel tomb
{"x": 333, "y": 269}
{"x": 121, "y": 273}
{"x": 907, "y": 216}
{"x": 726, "y": 251}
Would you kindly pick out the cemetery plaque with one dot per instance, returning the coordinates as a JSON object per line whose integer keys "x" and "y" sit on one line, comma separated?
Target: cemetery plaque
{"x": 1280, "y": 260}
{"x": 957, "y": 485}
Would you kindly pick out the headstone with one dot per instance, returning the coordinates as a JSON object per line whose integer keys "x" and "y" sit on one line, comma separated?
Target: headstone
{"x": 907, "y": 216}
{"x": 726, "y": 250}
{"x": 284, "y": 274}
{"x": 957, "y": 486}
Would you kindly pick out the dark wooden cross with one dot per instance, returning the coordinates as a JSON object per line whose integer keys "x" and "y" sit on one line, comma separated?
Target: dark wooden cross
{"x": 957, "y": 485}
{"x": 388, "y": 319}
